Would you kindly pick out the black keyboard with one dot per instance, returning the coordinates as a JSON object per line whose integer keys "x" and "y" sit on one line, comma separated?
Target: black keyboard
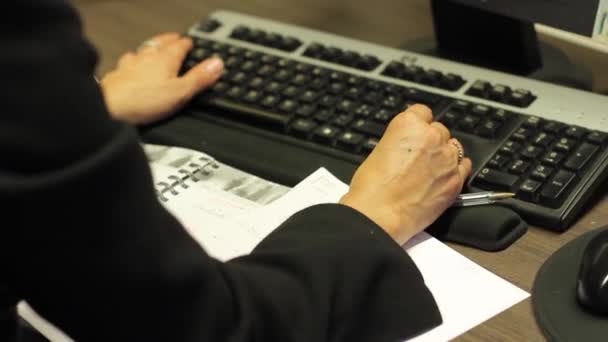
{"x": 278, "y": 111}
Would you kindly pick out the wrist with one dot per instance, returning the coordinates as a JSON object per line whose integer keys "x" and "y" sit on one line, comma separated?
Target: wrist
{"x": 395, "y": 223}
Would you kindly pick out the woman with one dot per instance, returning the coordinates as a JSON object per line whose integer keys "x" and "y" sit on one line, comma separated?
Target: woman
{"x": 87, "y": 244}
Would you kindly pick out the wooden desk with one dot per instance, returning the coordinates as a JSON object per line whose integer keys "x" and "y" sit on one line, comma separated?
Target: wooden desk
{"x": 118, "y": 26}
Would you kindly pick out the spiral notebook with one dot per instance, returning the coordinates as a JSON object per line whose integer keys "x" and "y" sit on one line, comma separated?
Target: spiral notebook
{"x": 206, "y": 195}
{"x": 177, "y": 170}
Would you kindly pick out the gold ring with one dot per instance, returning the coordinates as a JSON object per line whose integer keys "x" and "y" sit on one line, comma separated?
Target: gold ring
{"x": 460, "y": 151}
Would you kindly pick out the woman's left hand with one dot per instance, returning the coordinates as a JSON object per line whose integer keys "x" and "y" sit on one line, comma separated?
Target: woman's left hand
{"x": 145, "y": 86}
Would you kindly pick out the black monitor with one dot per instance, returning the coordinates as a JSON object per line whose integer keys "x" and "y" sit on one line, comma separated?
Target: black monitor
{"x": 584, "y": 17}
{"x": 500, "y": 34}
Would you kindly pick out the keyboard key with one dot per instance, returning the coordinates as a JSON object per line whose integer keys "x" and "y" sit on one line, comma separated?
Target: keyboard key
{"x": 324, "y": 115}
{"x": 501, "y": 115}
{"x": 369, "y": 128}
{"x": 575, "y": 132}
{"x": 553, "y": 127}
{"x": 235, "y": 92}
{"x": 496, "y": 180}
{"x": 353, "y": 93}
{"x": 345, "y": 105}
{"x": 541, "y": 173}
{"x": 489, "y": 128}
{"x": 209, "y": 25}
{"x": 552, "y": 158}
{"x": 291, "y": 91}
{"x": 336, "y": 88}
{"x": 309, "y": 96}
{"x": 343, "y": 120}
{"x": 252, "y": 96}
{"x": 302, "y": 127}
{"x": 498, "y": 161}
{"x": 274, "y": 87}
{"x": 369, "y": 145}
{"x": 519, "y": 167}
{"x": 328, "y": 100}
{"x": 451, "y": 82}
{"x": 532, "y": 122}
{"x": 479, "y": 88}
{"x": 510, "y": 148}
{"x": 531, "y": 152}
{"x": 450, "y": 119}
{"x": 597, "y": 138}
{"x": 220, "y": 87}
{"x": 269, "y": 101}
{"x": 349, "y": 141}
{"x": 480, "y": 110}
{"x": 394, "y": 69}
{"x": 499, "y": 92}
{"x": 528, "y": 189}
{"x": 199, "y": 54}
{"x": 553, "y": 192}
{"x": 431, "y": 77}
{"x": 468, "y": 123}
{"x": 565, "y": 145}
{"x": 305, "y": 110}
{"x": 421, "y": 97}
{"x": 461, "y": 106}
{"x": 240, "y": 32}
{"x": 288, "y": 106}
{"x": 581, "y": 157}
{"x": 282, "y": 75}
{"x": 521, "y": 98}
{"x": 384, "y": 116}
{"x": 325, "y": 134}
{"x": 522, "y": 134}
{"x": 364, "y": 110}
{"x": 542, "y": 139}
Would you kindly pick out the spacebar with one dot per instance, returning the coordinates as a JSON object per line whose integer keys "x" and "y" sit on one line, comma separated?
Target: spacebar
{"x": 248, "y": 113}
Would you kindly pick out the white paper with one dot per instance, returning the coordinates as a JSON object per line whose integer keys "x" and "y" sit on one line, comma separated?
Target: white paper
{"x": 466, "y": 293}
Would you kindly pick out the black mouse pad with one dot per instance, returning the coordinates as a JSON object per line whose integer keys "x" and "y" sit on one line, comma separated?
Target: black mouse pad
{"x": 557, "y": 311}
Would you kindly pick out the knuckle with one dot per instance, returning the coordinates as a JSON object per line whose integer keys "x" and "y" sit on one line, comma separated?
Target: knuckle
{"x": 401, "y": 120}
{"x": 433, "y": 137}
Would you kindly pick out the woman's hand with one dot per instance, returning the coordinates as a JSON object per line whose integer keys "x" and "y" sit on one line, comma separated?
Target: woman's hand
{"x": 145, "y": 86}
{"x": 411, "y": 177}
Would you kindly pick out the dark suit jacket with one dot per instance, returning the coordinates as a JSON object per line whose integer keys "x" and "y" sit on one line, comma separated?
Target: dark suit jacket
{"x": 85, "y": 241}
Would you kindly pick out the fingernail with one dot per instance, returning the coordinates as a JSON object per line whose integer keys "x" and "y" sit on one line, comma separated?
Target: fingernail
{"x": 214, "y": 65}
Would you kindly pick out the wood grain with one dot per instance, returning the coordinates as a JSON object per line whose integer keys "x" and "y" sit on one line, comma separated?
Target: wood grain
{"x": 118, "y": 26}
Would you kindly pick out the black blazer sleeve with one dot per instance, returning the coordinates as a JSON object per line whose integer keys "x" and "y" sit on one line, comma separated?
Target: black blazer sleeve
{"x": 85, "y": 241}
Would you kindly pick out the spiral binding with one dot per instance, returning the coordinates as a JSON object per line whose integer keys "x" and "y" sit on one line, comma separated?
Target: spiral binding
{"x": 178, "y": 181}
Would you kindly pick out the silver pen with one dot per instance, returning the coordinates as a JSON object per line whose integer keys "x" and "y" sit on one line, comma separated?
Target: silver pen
{"x": 480, "y": 198}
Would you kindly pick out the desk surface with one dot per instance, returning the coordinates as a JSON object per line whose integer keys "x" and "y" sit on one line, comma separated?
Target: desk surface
{"x": 119, "y": 26}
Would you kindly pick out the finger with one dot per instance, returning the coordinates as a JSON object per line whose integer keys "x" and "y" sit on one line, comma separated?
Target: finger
{"x": 126, "y": 59}
{"x": 201, "y": 76}
{"x": 444, "y": 131}
{"x": 422, "y": 111}
{"x": 160, "y": 41}
{"x": 176, "y": 52}
{"x": 457, "y": 147}
{"x": 464, "y": 168}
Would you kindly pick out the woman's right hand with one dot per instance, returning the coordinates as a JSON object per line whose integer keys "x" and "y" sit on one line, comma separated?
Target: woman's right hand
{"x": 411, "y": 177}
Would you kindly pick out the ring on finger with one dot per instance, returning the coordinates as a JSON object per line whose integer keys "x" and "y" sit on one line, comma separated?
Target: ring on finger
{"x": 460, "y": 151}
{"x": 149, "y": 43}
